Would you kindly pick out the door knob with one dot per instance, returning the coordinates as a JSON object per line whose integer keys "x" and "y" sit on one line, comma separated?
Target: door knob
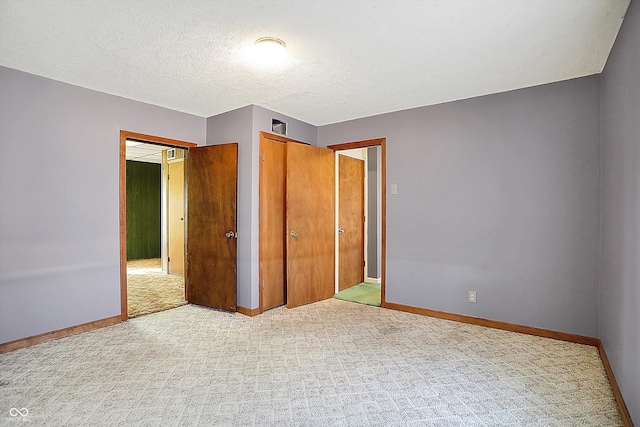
{"x": 294, "y": 234}
{"x": 340, "y": 230}
{"x": 231, "y": 234}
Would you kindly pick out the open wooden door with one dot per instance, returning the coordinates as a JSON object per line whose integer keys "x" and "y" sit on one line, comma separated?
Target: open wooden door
{"x": 176, "y": 218}
{"x": 351, "y": 222}
{"x": 212, "y": 174}
{"x": 310, "y": 224}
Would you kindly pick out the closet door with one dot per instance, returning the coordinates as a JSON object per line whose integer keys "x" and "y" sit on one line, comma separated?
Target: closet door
{"x": 310, "y": 216}
{"x": 272, "y": 224}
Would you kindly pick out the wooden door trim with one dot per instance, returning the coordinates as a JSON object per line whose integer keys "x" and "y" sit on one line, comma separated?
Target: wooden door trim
{"x": 280, "y": 138}
{"x": 151, "y": 139}
{"x": 359, "y": 144}
{"x": 382, "y": 143}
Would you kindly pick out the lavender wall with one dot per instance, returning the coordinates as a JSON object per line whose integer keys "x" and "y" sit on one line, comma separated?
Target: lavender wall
{"x": 235, "y": 126}
{"x": 243, "y": 126}
{"x": 296, "y": 129}
{"x": 620, "y": 214}
{"x": 59, "y": 186}
{"x": 498, "y": 194}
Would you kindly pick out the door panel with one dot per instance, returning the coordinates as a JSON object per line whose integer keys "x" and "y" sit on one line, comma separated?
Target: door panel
{"x": 272, "y": 236}
{"x": 351, "y": 222}
{"x": 310, "y": 224}
{"x": 176, "y": 218}
{"x": 212, "y": 174}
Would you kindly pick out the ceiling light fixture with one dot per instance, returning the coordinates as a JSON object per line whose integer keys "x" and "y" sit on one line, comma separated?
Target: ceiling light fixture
{"x": 272, "y": 42}
{"x": 270, "y": 50}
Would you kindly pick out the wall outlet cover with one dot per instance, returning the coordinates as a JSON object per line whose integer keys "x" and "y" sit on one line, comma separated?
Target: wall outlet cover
{"x": 472, "y": 296}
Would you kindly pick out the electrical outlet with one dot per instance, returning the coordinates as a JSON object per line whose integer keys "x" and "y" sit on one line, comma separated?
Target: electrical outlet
{"x": 472, "y": 296}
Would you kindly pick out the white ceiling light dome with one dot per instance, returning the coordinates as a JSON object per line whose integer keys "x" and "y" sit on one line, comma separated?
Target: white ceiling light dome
{"x": 270, "y": 52}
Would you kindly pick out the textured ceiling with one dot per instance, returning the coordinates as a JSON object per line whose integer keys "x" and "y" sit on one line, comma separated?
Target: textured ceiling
{"x": 346, "y": 59}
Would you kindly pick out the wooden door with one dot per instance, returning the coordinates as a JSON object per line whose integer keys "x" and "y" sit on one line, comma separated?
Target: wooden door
{"x": 176, "y": 218}
{"x": 272, "y": 226}
{"x": 350, "y": 222}
{"x": 310, "y": 224}
{"x": 212, "y": 174}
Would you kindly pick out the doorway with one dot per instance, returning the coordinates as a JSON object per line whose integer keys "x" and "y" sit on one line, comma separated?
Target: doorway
{"x": 144, "y": 275}
{"x": 350, "y": 218}
{"x": 358, "y": 221}
{"x": 154, "y": 214}
{"x": 375, "y": 214}
{"x": 210, "y": 217}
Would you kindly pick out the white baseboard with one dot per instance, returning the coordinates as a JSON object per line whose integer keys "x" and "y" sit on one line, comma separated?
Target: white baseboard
{"x": 371, "y": 280}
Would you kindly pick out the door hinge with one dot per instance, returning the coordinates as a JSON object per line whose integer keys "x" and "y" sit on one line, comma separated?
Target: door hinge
{"x": 364, "y": 263}
{"x": 262, "y": 283}
{"x": 168, "y": 259}
{"x": 263, "y": 156}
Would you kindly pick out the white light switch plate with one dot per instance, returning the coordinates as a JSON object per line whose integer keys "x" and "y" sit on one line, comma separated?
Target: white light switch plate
{"x": 394, "y": 188}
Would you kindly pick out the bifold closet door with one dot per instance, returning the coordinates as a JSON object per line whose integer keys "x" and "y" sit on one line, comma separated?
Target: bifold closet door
{"x": 272, "y": 224}
{"x": 310, "y": 219}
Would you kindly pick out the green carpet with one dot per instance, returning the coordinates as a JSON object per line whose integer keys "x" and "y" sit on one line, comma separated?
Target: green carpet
{"x": 364, "y": 293}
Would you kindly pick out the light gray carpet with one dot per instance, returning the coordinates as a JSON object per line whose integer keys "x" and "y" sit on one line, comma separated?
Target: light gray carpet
{"x": 331, "y": 363}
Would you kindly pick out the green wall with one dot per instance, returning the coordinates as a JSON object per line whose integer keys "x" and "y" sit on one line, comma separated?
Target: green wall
{"x": 143, "y": 210}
